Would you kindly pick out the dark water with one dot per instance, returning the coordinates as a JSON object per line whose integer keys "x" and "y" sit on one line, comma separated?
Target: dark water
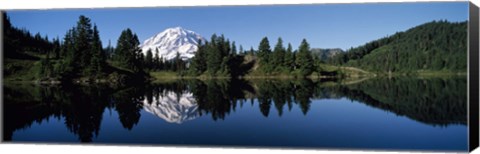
{"x": 399, "y": 113}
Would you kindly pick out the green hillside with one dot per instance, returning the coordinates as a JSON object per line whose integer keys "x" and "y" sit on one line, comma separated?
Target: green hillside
{"x": 437, "y": 46}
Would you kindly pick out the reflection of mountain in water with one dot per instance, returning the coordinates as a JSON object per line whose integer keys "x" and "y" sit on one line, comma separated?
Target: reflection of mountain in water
{"x": 173, "y": 107}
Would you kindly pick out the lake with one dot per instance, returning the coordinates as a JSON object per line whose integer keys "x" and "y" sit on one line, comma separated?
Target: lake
{"x": 380, "y": 113}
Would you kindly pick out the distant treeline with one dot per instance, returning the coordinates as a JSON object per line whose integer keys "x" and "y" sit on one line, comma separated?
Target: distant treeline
{"x": 220, "y": 58}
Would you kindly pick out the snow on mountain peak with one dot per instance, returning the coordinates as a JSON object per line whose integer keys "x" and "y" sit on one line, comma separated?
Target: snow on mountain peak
{"x": 172, "y": 41}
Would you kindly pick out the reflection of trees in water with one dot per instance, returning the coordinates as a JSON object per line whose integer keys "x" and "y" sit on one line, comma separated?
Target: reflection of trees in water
{"x": 282, "y": 93}
{"x": 20, "y": 111}
{"x": 218, "y": 97}
{"x": 303, "y": 93}
{"x": 264, "y": 97}
{"x": 128, "y": 103}
{"x": 83, "y": 114}
{"x": 82, "y": 107}
{"x": 432, "y": 101}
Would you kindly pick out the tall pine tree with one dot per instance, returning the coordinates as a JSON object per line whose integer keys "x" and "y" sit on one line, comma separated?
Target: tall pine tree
{"x": 214, "y": 55}
{"x": 289, "y": 58}
{"x": 198, "y": 64}
{"x": 234, "y": 49}
{"x": 149, "y": 60}
{"x": 128, "y": 53}
{"x": 264, "y": 52}
{"x": 83, "y": 42}
{"x": 98, "y": 59}
{"x": 157, "y": 61}
{"x": 278, "y": 57}
{"x": 240, "y": 50}
{"x": 304, "y": 60}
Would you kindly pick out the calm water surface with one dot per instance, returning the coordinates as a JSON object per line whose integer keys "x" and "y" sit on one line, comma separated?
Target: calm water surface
{"x": 398, "y": 113}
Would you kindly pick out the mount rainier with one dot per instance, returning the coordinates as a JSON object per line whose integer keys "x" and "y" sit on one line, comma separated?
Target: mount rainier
{"x": 172, "y": 41}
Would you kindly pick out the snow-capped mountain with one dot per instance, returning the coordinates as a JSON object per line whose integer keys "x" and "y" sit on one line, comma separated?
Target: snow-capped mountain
{"x": 172, "y": 41}
{"x": 172, "y": 107}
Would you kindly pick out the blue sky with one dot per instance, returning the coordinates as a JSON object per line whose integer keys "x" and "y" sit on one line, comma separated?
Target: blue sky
{"x": 323, "y": 25}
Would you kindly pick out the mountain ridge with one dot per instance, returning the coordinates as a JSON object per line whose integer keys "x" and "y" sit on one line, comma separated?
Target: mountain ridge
{"x": 325, "y": 53}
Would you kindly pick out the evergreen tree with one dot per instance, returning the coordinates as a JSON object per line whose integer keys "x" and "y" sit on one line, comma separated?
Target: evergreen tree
{"x": 180, "y": 64}
{"x": 163, "y": 64}
{"x": 317, "y": 64}
{"x": 97, "y": 63}
{"x": 83, "y": 42}
{"x": 46, "y": 69}
{"x": 38, "y": 39}
{"x": 252, "y": 52}
{"x": 278, "y": 55}
{"x": 289, "y": 58}
{"x": 228, "y": 52}
{"x": 224, "y": 46}
{"x": 214, "y": 55}
{"x": 176, "y": 62}
{"x": 68, "y": 66}
{"x": 6, "y": 20}
{"x": 264, "y": 52}
{"x": 149, "y": 60}
{"x": 304, "y": 60}
{"x": 56, "y": 48}
{"x": 109, "y": 50}
{"x": 241, "y": 50}
{"x": 214, "y": 60}
{"x": 140, "y": 58}
{"x": 234, "y": 49}
{"x": 198, "y": 64}
{"x": 128, "y": 53}
{"x": 156, "y": 61}
{"x": 225, "y": 67}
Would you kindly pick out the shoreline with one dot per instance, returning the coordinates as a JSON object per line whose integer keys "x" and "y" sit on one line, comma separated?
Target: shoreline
{"x": 282, "y": 77}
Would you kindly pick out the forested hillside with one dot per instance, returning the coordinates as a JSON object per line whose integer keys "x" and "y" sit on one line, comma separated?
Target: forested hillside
{"x": 433, "y": 46}
{"x": 19, "y": 41}
{"x": 78, "y": 57}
